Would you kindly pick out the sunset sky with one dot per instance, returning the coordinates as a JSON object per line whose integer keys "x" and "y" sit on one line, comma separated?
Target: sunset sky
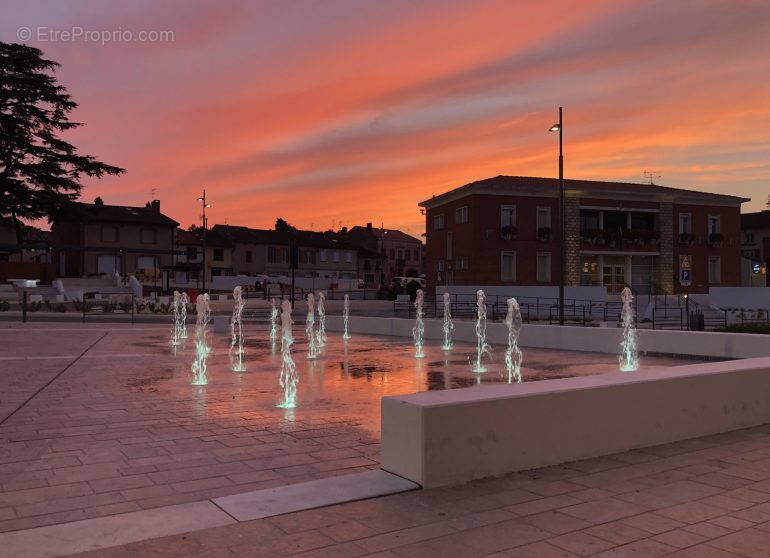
{"x": 331, "y": 113}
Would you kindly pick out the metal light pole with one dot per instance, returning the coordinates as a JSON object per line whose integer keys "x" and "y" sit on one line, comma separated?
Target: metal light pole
{"x": 560, "y": 128}
{"x": 202, "y": 199}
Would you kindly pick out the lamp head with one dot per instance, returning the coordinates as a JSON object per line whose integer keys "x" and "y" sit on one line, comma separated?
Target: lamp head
{"x": 554, "y": 128}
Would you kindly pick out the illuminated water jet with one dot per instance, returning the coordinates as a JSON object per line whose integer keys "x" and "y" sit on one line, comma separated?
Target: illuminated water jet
{"x": 513, "y": 354}
{"x": 184, "y": 300}
{"x": 288, "y": 378}
{"x": 419, "y": 325}
{"x": 481, "y": 331}
{"x": 273, "y": 321}
{"x": 176, "y": 333}
{"x": 236, "y": 331}
{"x": 345, "y": 316}
{"x": 202, "y": 349}
{"x": 448, "y": 325}
{"x": 629, "y": 357}
{"x": 321, "y": 330}
{"x": 312, "y": 350}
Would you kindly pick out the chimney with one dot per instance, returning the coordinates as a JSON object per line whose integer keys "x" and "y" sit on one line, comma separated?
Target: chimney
{"x": 155, "y": 204}
{"x": 368, "y": 227}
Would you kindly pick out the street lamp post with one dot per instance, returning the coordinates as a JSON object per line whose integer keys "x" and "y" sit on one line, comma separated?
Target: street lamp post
{"x": 559, "y": 128}
{"x": 204, "y": 205}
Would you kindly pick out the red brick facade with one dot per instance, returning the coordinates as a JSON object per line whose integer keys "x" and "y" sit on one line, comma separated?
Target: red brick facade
{"x": 616, "y": 233}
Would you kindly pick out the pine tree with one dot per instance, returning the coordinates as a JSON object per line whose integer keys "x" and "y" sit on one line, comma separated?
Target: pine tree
{"x": 39, "y": 171}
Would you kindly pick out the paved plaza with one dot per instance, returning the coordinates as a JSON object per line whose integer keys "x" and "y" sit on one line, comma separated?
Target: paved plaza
{"x": 101, "y": 420}
{"x": 702, "y": 498}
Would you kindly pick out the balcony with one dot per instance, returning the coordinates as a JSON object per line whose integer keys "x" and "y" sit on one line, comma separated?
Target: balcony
{"x": 620, "y": 239}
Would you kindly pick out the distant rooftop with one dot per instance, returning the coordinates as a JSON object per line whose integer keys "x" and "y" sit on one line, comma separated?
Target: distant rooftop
{"x": 501, "y": 185}
{"x": 758, "y": 220}
{"x": 79, "y": 211}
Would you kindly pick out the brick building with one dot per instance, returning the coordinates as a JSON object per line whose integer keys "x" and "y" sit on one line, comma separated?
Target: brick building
{"x": 504, "y": 231}
{"x": 402, "y": 253}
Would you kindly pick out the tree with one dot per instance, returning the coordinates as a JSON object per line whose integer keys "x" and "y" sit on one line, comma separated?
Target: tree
{"x": 282, "y": 226}
{"x": 39, "y": 171}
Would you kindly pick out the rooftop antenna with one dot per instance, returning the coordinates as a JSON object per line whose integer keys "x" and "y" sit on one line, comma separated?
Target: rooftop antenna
{"x": 154, "y": 194}
{"x": 767, "y": 203}
{"x": 651, "y": 175}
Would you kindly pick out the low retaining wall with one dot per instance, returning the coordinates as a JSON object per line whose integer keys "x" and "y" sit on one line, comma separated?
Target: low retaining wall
{"x": 574, "y": 338}
{"x": 438, "y": 438}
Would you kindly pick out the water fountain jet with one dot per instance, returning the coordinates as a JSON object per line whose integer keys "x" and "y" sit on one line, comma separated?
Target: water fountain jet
{"x": 288, "y": 378}
{"x": 184, "y": 300}
{"x": 448, "y": 325}
{"x": 176, "y": 333}
{"x": 321, "y": 330}
{"x": 629, "y": 357}
{"x": 236, "y": 331}
{"x": 202, "y": 349}
{"x": 513, "y": 354}
{"x": 481, "y": 332}
{"x": 345, "y": 317}
{"x": 312, "y": 350}
{"x": 273, "y": 321}
{"x": 419, "y": 325}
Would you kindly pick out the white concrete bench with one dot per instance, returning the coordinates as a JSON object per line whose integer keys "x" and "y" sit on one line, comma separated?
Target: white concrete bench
{"x": 438, "y": 438}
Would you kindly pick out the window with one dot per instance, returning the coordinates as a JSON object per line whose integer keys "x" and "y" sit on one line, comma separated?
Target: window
{"x": 714, "y": 224}
{"x": 349, "y": 257}
{"x": 543, "y": 267}
{"x": 322, "y": 255}
{"x": 715, "y": 269}
{"x": 508, "y": 266}
{"x": 449, "y": 242}
{"x": 192, "y": 253}
{"x": 215, "y": 272}
{"x": 219, "y": 254}
{"x": 277, "y": 255}
{"x": 336, "y": 256}
{"x": 400, "y": 254}
{"x": 148, "y": 236}
{"x": 440, "y": 265}
{"x": 748, "y": 237}
{"x": 685, "y": 223}
{"x": 461, "y": 214}
{"x": 147, "y": 263}
{"x": 642, "y": 221}
{"x": 248, "y": 256}
{"x": 308, "y": 256}
{"x": 438, "y": 221}
{"x": 462, "y": 263}
{"x": 543, "y": 218}
{"x": 507, "y": 216}
{"x": 109, "y": 234}
{"x": 392, "y": 254}
{"x": 589, "y": 221}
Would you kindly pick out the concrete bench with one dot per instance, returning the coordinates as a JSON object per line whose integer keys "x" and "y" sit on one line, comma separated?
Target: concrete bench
{"x": 438, "y": 438}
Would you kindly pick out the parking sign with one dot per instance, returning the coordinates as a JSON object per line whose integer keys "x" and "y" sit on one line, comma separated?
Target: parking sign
{"x": 685, "y": 270}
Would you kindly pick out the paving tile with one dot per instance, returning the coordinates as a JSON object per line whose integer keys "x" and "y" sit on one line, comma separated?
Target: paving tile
{"x": 652, "y": 523}
{"x": 404, "y": 536}
{"x": 732, "y": 523}
{"x": 645, "y": 548}
{"x": 555, "y": 522}
{"x": 753, "y": 543}
{"x": 543, "y": 504}
{"x": 702, "y": 551}
{"x": 581, "y": 543}
{"x": 617, "y": 532}
{"x": 680, "y": 538}
{"x": 602, "y": 511}
{"x": 707, "y": 529}
{"x": 691, "y": 512}
{"x": 539, "y": 549}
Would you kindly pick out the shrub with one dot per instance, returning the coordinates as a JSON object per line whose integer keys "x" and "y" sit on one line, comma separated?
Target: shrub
{"x": 125, "y": 306}
{"x": 746, "y": 328}
{"x": 59, "y": 307}
{"x": 34, "y": 306}
{"x": 141, "y": 304}
{"x": 4, "y": 306}
{"x": 109, "y": 306}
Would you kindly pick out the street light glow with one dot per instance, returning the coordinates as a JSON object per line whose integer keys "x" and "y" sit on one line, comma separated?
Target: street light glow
{"x": 554, "y": 128}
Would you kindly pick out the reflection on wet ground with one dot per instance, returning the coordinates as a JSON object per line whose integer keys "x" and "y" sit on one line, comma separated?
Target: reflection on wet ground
{"x": 350, "y": 377}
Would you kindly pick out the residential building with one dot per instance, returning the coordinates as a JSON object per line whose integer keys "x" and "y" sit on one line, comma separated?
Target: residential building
{"x": 755, "y": 246}
{"x": 92, "y": 239}
{"x": 402, "y": 253}
{"x": 189, "y": 260}
{"x": 262, "y": 251}
{"x": 505, "y": 231}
